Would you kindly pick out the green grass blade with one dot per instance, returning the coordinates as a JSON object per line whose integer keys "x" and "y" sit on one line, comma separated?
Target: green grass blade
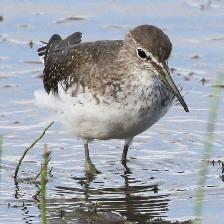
{"x": 209, "y": 139}
{"x": 43, "y": 186}
{"x": 1, "y": 143}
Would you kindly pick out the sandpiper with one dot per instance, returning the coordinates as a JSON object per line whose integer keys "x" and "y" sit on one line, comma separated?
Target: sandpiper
{"x": 111, "y": 89}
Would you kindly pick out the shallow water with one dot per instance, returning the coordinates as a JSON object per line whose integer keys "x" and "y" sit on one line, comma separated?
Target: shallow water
{"x": 163, "y": 161}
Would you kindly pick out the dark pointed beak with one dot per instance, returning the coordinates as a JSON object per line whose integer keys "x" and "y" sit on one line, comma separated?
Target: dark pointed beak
{"x": 164, "y": 74}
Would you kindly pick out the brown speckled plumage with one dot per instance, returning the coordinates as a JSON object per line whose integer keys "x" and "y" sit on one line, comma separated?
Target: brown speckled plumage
{"x": 113, "y": 89}
{"x": 100, "y": 66}
{"x": 82, "y": 66}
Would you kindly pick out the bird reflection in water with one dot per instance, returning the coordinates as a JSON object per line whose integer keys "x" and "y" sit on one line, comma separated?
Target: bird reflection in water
{"x": 135, "y": 201}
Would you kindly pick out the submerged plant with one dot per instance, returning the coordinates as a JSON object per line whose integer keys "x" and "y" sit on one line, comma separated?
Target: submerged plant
{"x": 0, "y": 156}
{"x": 43, "y": 175}
{"x": 26, "y": 151}
{"x": 208, "y": 142}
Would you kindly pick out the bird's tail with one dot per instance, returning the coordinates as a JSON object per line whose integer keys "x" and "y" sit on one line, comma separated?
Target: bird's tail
{"x": 44, "y": 50}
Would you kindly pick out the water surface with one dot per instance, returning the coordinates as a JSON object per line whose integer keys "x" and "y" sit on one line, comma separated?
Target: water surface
{"x": 163, "y": 161}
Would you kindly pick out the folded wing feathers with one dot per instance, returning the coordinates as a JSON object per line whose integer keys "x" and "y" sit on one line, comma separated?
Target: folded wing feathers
{"x": 67, "y": 43}
{"x": 44, "y": 50}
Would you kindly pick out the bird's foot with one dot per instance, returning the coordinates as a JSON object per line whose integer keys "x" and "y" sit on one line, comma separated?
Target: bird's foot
{"x": 90, "y": 168}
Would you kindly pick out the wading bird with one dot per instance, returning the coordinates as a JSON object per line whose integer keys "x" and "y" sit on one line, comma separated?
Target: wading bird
{"x": 112, "y": 89}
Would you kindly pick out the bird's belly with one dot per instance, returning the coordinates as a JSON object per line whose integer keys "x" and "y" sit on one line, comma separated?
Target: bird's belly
{"x": 96, "y": 121}
{"x": 86, "y": 118}
{"x": 119, "y": 124}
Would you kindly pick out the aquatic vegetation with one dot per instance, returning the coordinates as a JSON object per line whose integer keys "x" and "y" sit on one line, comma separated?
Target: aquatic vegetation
{"x": 208, "y": 143}
{"x": 43, "y": 185}
{"x": 1, "y": 142}
{"x": 26, "y": 151}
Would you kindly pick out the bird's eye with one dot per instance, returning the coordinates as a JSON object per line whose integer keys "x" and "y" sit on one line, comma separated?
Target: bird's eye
{"x": 141, "y": 53}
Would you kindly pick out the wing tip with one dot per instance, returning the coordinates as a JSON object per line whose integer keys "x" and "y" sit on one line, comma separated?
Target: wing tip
{"x": 43, "y": 51}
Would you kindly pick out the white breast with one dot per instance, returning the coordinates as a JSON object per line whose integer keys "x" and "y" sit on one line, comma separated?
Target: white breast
{"x": 84, "y": 117}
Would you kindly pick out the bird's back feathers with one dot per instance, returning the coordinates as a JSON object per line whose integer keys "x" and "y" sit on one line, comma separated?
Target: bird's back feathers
{"x": 71, "y": 63}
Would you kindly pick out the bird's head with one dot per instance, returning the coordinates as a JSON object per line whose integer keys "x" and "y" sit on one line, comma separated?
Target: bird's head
{"x": 151, "y": 48}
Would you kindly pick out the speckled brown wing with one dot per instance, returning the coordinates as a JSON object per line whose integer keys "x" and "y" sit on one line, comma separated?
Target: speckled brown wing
{"x": 79, "y": 65}
{"x": 43, "y": 51}
{"x": 51, "y": 54}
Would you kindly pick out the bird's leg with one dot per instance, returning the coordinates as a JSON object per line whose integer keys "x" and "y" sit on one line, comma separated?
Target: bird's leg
{"x": 89, "y": 166}
{"x": 125, "y": 150}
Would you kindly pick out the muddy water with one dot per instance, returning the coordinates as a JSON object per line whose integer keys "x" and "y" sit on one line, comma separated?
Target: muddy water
{"x": 163, "y": 161}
